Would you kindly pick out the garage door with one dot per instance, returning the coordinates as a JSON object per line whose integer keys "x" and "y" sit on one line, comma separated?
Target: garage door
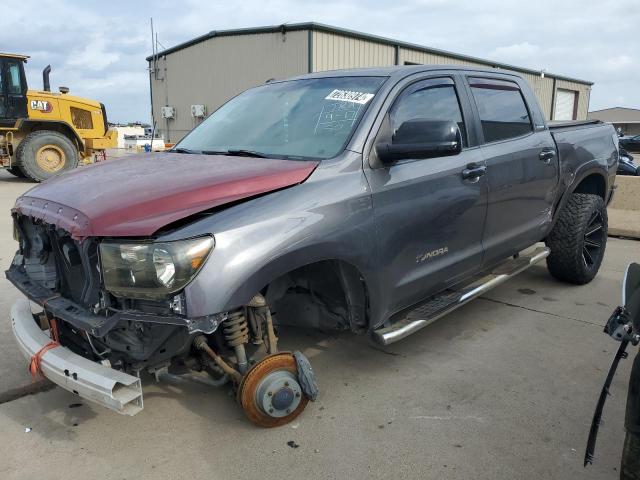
{"x": 565, "y": 105}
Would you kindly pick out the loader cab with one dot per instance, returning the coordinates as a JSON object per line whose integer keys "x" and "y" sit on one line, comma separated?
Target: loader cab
{"x": 13, "y": 89}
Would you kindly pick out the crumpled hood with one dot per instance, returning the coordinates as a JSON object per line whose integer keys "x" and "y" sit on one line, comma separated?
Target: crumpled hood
{"x": 137, "y": 195}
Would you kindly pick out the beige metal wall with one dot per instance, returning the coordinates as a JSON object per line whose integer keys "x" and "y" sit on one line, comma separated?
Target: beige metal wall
{"x": 542, "y": 86}
{"x": 216, "y": 69}
{"x": 427, "y": 58}
{"x": 211, "y": 72}
{"x": 333, "y": 52}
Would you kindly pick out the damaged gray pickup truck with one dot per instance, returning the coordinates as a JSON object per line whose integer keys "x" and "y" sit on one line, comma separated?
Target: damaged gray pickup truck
{"x": 372, "y": 200}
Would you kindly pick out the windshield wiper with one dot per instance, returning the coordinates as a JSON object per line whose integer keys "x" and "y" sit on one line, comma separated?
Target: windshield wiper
{"x": 213, "y": 152}
{"x": 240, "y": 152}
{"x": 183, "y": 150}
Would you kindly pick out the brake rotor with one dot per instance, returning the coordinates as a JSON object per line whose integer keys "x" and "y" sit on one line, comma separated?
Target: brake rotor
{"x": 270, "y": 393}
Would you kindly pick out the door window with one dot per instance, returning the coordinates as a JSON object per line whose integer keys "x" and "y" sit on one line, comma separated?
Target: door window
{"x": 3, "y": 100}
{"x": 433, "y": 99}
{"x": 14, "y": 85}
{"x": 502, "y": 109}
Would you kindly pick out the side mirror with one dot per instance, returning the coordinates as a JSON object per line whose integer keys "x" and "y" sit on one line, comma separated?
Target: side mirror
{"x": 631, "y": 290}
{"x": 420, "y": 138}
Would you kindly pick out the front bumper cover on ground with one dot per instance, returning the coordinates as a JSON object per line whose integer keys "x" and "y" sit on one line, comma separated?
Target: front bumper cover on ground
{"x": 108, "y": 387}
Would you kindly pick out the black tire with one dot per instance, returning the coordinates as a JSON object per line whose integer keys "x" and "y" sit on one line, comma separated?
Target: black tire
{"x": 45, "y": 141}
{"x": 630, "y": 465}
{"x": 15, "y": 171}
{"x": 578, "y": 239}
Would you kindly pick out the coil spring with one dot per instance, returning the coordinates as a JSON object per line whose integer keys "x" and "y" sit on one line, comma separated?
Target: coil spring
{"x": 236, "y": 330}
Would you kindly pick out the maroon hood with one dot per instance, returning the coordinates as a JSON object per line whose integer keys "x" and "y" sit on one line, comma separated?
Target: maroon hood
{"x": 135, "y": 196}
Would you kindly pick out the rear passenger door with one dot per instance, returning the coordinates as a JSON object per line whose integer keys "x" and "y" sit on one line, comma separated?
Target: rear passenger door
{"x": 429, "y": 213}
{"x": 522, "y": 168}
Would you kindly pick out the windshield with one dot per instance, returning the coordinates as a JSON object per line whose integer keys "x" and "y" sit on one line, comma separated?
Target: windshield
{"x": 298, "y": 119}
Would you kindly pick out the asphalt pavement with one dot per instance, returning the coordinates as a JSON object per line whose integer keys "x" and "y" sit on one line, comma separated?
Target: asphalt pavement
{"x": 503, "y": 388}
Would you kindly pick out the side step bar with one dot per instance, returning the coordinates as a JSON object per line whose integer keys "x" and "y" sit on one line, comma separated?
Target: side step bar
{"x": 447, "y": 301}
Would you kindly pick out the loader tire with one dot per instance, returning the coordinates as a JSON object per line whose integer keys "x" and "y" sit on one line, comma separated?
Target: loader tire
{"x": 630, "y": 464}
{"x": 45, "y": 154}
{"x": 15, "y": 171}
{"x": 578, "y": 239}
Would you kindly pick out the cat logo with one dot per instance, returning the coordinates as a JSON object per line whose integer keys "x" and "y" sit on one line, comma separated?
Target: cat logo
{"x": 41, "y": 106}
{"x": 432, "y": 254}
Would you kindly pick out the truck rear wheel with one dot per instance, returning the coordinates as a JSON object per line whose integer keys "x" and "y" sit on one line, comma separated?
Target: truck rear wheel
{"x": 630, "y": 465}
{"x": 15, "y": 171}
{"x": 44, "y": 154}
{"x": 578, "y": 239}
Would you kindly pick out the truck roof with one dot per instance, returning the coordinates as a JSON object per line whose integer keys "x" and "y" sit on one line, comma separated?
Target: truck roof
{"x": 400, "y": 71}
{"x": 14, "y": 55}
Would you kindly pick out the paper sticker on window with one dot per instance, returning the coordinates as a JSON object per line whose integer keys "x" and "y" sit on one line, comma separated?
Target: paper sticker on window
{"x": 336, "y": 117}
{"x": 349, "y": 96}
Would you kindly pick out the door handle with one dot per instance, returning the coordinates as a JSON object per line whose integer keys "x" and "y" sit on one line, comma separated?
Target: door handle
{"x": 547, "y": 155}
{"x": 474, "y": 172}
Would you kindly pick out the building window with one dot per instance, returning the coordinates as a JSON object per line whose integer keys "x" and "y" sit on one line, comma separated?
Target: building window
{"x": 566, "y": 107}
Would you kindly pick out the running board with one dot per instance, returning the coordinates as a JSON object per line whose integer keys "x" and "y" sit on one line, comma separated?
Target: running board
{"x": 447, "y": 301}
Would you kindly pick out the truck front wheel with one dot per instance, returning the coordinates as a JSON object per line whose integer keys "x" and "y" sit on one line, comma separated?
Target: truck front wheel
{"x": 578, "y": 239}
{"x": 44, "y": 154}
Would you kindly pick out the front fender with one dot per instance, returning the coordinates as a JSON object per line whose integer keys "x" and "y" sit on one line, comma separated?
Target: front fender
{"x": 329, "y": 217}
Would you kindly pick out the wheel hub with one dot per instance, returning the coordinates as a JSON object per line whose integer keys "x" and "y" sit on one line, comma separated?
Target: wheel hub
{"x": 270, "y": 392}
{"x": 278, "y": 394}
{"x": 50, "y": 158}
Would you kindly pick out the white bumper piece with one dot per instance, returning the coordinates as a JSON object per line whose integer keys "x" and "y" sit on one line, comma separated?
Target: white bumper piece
{"x": 90, "y": 380}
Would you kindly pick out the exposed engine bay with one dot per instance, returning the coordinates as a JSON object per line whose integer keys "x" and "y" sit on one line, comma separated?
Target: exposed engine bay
{"x": 151, "y": 333}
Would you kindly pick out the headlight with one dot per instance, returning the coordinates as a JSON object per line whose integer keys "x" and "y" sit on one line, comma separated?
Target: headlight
{"x": 16, "y": 230}
{"x": 152, "y": 270}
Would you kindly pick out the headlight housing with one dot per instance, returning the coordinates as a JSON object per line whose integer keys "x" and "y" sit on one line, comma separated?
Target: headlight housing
{"x": 152, "y": 269}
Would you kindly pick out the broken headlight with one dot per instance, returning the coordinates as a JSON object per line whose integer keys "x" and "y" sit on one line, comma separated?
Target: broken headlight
{"x": 152, "y": 269}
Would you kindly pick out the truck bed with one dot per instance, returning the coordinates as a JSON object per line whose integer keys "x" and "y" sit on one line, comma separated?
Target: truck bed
{"x": 556, "y": 125}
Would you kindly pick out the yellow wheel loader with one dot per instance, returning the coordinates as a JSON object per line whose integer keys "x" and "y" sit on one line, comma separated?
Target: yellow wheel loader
{"x": 43, "y": 133}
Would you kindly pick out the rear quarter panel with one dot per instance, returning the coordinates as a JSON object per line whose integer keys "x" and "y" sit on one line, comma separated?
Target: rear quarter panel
{"x": 585, "y": 150}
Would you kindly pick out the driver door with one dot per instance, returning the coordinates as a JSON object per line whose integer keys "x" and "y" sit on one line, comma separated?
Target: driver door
{"x": 13, "y": 91}
{"x": 429, "y": 214}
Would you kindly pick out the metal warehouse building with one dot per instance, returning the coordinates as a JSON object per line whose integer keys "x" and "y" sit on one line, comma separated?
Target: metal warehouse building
{"x": 193, "y": 79}
{"x": 627, "y": 119}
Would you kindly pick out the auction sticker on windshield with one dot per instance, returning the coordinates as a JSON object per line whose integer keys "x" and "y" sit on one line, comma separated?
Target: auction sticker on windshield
{"x": 349, "y": 96}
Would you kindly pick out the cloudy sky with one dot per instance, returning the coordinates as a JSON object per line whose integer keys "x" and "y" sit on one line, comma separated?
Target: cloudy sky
{"x": 98, "y": 49}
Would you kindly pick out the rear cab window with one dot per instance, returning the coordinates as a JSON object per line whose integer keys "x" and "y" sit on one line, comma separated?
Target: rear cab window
{"x": 502, "y": 109}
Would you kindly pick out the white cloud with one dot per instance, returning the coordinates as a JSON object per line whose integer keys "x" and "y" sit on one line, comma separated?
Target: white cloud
{"x": 516, "y": 52}
{"x": 619, "y": 62}
{"x": 94, "y": 55}
{"x": 100, "y": 52}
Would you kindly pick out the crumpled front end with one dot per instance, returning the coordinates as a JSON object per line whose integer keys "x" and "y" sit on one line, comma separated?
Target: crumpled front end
{"x": 64, "y": 276}
{"x": 115, "y": 308}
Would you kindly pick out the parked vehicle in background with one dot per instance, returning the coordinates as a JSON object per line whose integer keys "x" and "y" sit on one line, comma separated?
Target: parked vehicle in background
{"x": 42, "y": 133}
{"x": 371, "y": 200}
{"x": 624, "y": 327}
{"x": 631, "y": 143}
{"x": 626, "y": 166}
